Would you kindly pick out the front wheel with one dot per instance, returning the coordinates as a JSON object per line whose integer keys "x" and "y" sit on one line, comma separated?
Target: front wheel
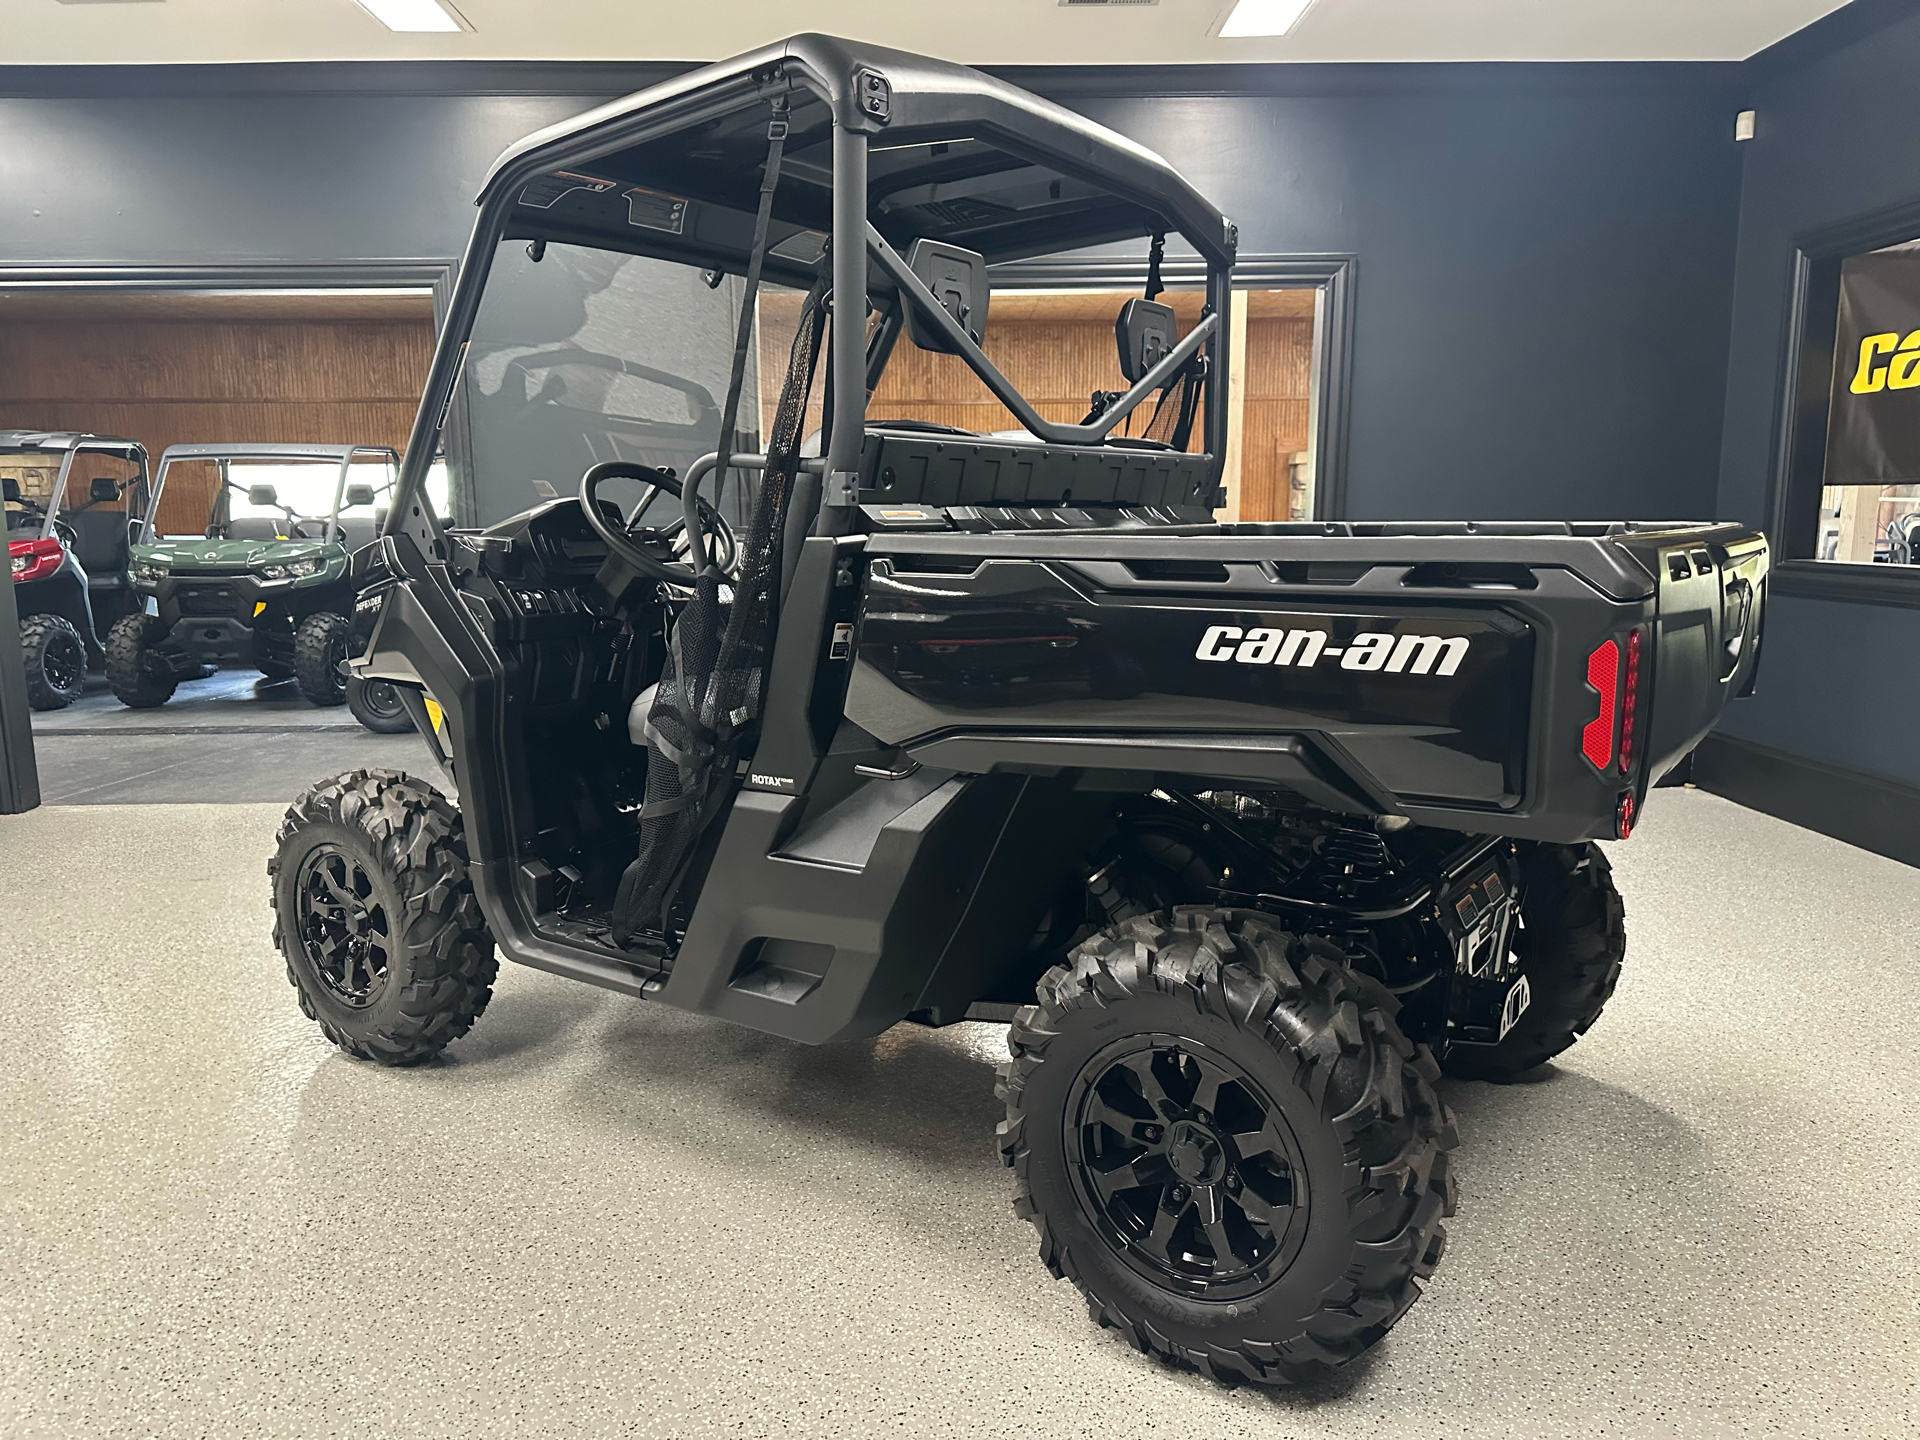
{"x": 1571, "y": 941}
{"x": 130, "y": 670}
{"x": 56, "y": 659}
{"x": 319, "y": 652}
{"x": 1227, "y": 1143}
{"x": 376, "y": 705}
{"x": 373, "y": 912}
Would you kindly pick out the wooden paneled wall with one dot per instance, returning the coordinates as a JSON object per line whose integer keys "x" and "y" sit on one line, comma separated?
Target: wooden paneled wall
{"x": 167, "y": 381}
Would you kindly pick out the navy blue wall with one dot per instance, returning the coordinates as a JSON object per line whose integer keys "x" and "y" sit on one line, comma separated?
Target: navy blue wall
{"x": 1543, "y": 283}
{"x": 1835, "y": 139}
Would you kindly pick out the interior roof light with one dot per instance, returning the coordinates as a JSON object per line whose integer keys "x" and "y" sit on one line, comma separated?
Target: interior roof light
{"x": 412, "y": 15}
{"x": 1263, "y": 17}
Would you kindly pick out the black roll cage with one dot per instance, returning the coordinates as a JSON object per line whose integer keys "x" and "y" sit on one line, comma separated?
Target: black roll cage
{"x": 866, "y": 89}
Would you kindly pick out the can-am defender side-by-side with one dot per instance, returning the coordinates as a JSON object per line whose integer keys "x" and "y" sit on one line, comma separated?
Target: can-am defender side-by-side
{"x": 264, "y": 585}
{"x": 1250, "y": 830}
{"x": 68, "y": 562}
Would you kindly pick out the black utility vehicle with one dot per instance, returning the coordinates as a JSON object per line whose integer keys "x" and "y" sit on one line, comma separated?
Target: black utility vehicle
{"x": 1250, "y": 830}
{"x": 264, "y": 584}
{"x": 69, "y": 562}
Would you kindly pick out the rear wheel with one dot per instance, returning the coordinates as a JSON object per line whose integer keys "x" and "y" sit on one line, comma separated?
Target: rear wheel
{"x": 56, "y": 659}
{"x": 373, "y": 912}
{"x": 129, "y": 644}
{"x": 1571, "y": 941}
{"x": 319, "y": 651}
{"x": 1226, "y": 1142}
{"x": 376, "y": 705}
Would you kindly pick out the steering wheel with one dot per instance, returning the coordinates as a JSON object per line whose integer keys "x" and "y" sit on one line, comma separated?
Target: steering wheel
{"x": 638, "y": 545}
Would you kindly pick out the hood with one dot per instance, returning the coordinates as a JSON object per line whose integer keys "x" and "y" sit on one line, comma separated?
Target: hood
{"x": 186, "y": 556}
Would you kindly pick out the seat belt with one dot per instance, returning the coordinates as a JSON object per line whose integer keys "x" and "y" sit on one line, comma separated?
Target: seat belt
{"x": 743, "y": 338}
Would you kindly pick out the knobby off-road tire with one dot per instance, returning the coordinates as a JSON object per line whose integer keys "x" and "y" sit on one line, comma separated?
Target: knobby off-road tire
{"x": 1571, "y": 942}
{"x": 1349, "y": 1162}
{"x": 127, "y": 644}
{"x": 56, "y": 659}
{"x": 376, "y": 705}
{"x": 374, "y": 914}
{"x": 319, "y": 649}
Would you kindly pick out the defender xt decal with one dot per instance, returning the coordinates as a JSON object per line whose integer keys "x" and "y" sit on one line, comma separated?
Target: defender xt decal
{"x": 1393, "y": 654}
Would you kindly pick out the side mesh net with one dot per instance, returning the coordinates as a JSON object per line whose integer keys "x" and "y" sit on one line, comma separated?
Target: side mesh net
{"x": 710, "y": 692}
{"x": 1172, "y": 418}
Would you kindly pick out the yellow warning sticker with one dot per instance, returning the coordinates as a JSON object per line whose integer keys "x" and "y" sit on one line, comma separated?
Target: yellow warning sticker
{"x": 434, "y": 711}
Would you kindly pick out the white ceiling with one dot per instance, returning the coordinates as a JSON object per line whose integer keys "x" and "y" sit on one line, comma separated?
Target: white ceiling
{"x": 1001, "y": 32}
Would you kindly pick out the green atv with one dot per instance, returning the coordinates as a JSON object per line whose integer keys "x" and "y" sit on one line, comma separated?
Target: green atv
{"x": 264, "y": 585}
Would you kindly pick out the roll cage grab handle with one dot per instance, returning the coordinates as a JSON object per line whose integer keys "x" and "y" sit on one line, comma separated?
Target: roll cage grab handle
{"x": 856, "y": 241}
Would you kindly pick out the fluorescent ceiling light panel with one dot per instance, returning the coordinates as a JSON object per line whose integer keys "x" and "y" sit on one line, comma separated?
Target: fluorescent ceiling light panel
{"x": 1254, "y": 17}
{"x": 412, "y": 15}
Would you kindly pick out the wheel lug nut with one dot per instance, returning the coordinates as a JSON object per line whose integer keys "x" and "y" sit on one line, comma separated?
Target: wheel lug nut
{"x": 1233, "y": 1183}
{"x": 1149, "y": 1133}
{"x": 1179, "y": 1195}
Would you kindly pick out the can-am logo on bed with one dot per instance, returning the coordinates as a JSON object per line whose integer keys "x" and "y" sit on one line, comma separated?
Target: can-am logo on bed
{"x": 1388, "y": 654}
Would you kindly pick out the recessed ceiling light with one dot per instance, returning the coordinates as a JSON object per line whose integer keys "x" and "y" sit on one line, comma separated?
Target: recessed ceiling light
{"x": 1257, "y": 17}
{"x": 411, "y": 14}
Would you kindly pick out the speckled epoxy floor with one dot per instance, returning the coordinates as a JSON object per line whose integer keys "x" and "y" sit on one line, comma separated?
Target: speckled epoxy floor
{"x": 600, "y": 1217}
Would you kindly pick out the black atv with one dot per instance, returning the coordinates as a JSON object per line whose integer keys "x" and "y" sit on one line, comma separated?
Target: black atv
{"x": 1250, "y": 831}
{"x": 263, "y": 585}
{"x": 69, "y": 563}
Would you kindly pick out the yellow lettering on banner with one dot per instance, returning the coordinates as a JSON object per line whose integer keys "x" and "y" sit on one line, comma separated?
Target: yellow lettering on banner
{"x": 1869, "y": 377}
{"x": 1901, "y": 369}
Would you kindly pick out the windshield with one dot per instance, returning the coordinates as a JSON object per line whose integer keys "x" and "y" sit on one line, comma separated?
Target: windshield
{"x": 278, "y": 498}
{"x": 36, "y": 479}
{"x": 587, "y": 355}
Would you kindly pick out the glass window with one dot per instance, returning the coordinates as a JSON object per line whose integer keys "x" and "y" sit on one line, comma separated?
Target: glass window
{"x": 1854, "y": 482}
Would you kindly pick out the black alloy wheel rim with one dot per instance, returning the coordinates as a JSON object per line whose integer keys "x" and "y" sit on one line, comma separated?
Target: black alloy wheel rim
{"x": 343, "y": 926}
{"x": 1186, "y": 1167}
{"x": 382, "y": 699}
{"x": 63, "y": 662}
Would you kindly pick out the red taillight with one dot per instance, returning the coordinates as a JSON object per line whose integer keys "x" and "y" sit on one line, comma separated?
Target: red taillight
{"x": 33, "y": 559}
{"x": 1623, "y": 817}
{"x": 1603, "y": 674}
{"x": 1629, "y": 702}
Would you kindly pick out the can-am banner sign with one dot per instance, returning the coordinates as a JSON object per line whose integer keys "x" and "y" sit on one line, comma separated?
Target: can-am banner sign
{"x": 1873, "y": 434}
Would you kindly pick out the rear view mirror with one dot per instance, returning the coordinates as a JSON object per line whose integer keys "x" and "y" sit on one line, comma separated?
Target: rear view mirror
{"x": 958, "y": 280}
{"x": 103, "y": 490}
{"x": 1145, "y": 331}
{"x": 263, "y": 496}
{"x": 358, "y": 494}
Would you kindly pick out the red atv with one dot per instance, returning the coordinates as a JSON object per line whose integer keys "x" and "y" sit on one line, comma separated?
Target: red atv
{"x": 69, "y": 565}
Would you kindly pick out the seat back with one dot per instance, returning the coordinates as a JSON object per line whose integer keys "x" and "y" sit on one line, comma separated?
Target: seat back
{"x": 255, "y": 527}
{"x": 99, "y": 541}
